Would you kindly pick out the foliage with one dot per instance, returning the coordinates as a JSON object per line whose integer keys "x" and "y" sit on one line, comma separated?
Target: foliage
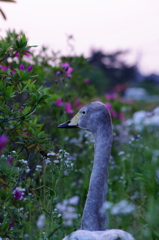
{"x": 43, "y": 187}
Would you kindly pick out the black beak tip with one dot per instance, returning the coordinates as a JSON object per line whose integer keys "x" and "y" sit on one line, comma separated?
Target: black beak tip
{"x": 64, "y": 125}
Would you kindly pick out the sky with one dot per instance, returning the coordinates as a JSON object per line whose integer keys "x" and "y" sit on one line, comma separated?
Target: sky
{"x": 107, "y": 25}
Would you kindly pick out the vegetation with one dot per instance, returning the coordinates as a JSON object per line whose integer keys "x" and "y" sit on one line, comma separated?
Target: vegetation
{"x": 44, "y": 171}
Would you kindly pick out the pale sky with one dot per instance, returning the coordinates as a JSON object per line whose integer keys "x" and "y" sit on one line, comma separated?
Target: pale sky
{"x": 108, "y": 25}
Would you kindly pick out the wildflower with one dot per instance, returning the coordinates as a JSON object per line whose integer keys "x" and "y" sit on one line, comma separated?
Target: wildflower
{"x": 10, "y": 159}
{"x": 113, "y": 113}
{"x": 111, "y": 96}
{"x": 11, "y": 224}
{"x": 121, "y": 115}
{"x": 106, "y": 206}
{"x": 68, "y": 212}
{"x": 121, "y": 153}
{"x": 108, "y": 105}
{"x": 13, "y": 71}
{"x": 17, "y": 54}
{"x": 27, "y": 53}
{"x": 68, "y": 108}
{"x": 59, "y": 102}
{"x": 87, "y": 81}
{"x": 51, "y": 154}
{"x": 3, "y": 141}
{"x": 4, "y": 68}
{"x": 21, "y": 67}
{"x": 18, "y": 195}
{"x": 69, "y": 75}
{"x": 122, "y": 207}
{"x": 74, "y": 200}
{"x": 58, "y": 73}
{"x": 66, "y": 67}
{"x": 30, "y": 68}
{"x": 41, "y": 221}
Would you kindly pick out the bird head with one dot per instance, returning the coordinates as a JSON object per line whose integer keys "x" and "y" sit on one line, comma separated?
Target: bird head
{"x": 89, "y": 117}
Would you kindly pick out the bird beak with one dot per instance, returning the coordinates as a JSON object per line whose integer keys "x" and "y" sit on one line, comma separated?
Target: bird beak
{"x": 73, "y": 123}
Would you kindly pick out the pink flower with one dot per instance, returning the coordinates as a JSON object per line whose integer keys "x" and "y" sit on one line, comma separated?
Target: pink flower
{"x": 66, "y": 67}
{"x": 77, "y": 103}
{"x": 70, "y": 70}
{"x": 10, "y": 159}
{"x": 21, "y": 67}
{"x": 130, "y": 102}
{"x": 108, "y": 105}
{"x": 121, "y": 115}
{"x": 68, "y": 108}
{"x": 13, "y": 71}
{"x": 4, "y": 68}
{"x": 17, "y": 195}
{"x": 113, "y": 113}
{"x": 59, "y": 102}
{"x": 87, "y": 81}
{"x": 111, "y": 96}
{"x": 3, "y": 141}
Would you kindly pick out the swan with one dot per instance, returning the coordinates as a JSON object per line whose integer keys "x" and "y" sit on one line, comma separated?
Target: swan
{"x": 95, "y": 117}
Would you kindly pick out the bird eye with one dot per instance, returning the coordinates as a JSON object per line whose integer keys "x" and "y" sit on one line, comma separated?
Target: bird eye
{"x": 83, "y": 112}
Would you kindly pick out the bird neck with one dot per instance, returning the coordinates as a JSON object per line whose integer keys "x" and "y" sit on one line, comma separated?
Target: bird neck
{"x": 92, "y": 218}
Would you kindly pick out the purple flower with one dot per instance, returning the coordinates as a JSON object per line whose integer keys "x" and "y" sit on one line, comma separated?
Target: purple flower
{"x": 17, "y": 195}
{"x": 30, "y": 68}
{"x": 27, "y": 53}
{"x": 17, "y": 54}
{"x": 87, "y": 81}
{"x": 69, "y": 75}
{"x": 58, "y": 73}
{"x": 4, "y": 68}
{"x": 10, "y": 159}
{"x": 65, "y": 66}
{"x": 22, "y": 67}
{"x": 11, "y": 224}
{"x": 3, "y": 141}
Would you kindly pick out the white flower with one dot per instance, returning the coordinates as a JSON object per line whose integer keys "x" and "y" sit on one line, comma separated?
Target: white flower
{"x": 51, "y": 154}
{"x": 121, "y": 153}
{"x": 106, "y": 205}
{"x": 122, "y": 207}
{"x": 138, "y": 117}
{"x": 41, "y": 221}
{"x": 74, "y": 200}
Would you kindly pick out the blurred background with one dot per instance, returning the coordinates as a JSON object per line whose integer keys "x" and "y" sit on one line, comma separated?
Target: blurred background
{"x": 120, "y": 38}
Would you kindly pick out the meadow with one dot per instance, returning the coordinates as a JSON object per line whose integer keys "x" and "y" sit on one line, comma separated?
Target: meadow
{"x": 45, "y": 171}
